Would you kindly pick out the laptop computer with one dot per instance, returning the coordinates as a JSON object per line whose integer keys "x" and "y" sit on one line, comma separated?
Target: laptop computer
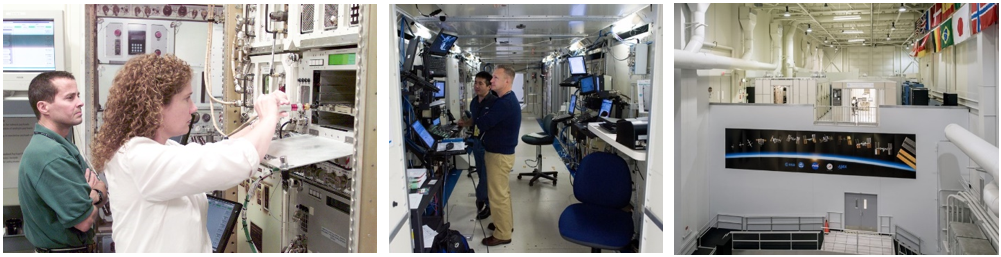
{"x": 221, "y": 218}
{"x": 435, "y": 57}
{"x": 441, "y": 146}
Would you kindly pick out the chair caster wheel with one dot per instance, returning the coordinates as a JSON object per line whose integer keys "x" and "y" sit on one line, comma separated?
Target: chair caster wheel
{"x": 554, "y": 183}
{"x": 531, "y": 183}
{"x": 519, "y": 177}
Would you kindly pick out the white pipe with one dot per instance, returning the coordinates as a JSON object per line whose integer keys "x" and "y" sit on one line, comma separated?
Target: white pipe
{"x": 748, "y": 22}
{"x": 698, "y": 26}
{"x": 776, "y": 29}
{"x": 983, "y": 153}
{"x": 991, "y": 197}
{"x": 700, "y": 61}
{"x": 790, "y": 35}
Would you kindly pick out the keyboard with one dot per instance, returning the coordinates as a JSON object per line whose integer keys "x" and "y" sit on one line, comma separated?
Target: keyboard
{"x": 435, "y": 65}
{"x": 608, "y": 126}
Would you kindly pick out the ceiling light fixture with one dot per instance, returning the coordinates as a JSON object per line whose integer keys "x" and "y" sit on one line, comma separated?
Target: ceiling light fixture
{"x": 787, "y": 12}
{"x": 902, "y": 9}
{"x": 893, "y": 26}
{"x": 856, "y": 40}
{"x": 852, "y": 31}
{"x": 847, "y": 18}
{"x": 808, "y": 28}
{"x": 887, "y": 37}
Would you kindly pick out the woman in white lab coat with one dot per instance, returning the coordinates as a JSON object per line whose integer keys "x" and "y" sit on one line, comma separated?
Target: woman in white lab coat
{"x": 157, "y": 186}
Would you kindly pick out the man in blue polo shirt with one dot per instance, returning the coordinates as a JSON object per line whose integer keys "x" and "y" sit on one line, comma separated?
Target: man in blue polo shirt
{"x": 500, "y": 125}
{"x": 484, "y": 97}
{"x": 59, "y": 196}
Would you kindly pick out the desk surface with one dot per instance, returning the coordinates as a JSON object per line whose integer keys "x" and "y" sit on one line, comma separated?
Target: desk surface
{"x": 595, "y": 127}
{"x": 301, "y": 150}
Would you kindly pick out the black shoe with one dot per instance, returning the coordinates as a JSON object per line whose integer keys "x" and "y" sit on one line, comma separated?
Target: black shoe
{"x": 492, "y": 227}
{"x": 479, "y": 206}
{"x": 483, "y": 214}
{"x": 493, "y": 241}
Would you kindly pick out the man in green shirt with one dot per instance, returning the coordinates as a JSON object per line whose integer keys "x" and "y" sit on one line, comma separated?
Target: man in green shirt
{"x": 59, "y": 196}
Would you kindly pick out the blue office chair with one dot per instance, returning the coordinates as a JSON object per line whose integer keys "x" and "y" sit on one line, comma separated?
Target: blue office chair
{"x": 603, "y": 187}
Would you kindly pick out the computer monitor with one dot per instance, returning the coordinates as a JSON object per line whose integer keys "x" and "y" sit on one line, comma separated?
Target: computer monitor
{"x": 221, "y": 217}
{"x": 587, "y": 85}
{"x": 441, "y": 89}
{"x": 577, "y": 66}
{"x": 436, "y": 122}
{"x": 606, "y": 108}
{"x": 408, "y": 63}
{"x": 32, "y": 44}
{"x": 423, "y": 133}
{"x": 573, "y": 104}
{"x": 443, "y": 43}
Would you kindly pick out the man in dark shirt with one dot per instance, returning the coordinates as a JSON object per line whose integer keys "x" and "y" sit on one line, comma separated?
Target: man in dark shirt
{"x": 484, "y": 97}
{"x": 500, "y": 125}
{"x": 59, "y": 196}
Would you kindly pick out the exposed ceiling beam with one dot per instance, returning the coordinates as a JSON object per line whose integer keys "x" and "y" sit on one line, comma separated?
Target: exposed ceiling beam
{"x": 522, "y": 18}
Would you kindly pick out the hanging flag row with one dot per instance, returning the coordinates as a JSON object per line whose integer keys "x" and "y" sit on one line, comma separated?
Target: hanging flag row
{"x": 945, "y": 25}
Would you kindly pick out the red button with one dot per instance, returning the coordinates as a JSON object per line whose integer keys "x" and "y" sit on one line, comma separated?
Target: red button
{"x": 157, "y": 34}
{"x": 118, "y": 32}
{"x": 157, "y": 52}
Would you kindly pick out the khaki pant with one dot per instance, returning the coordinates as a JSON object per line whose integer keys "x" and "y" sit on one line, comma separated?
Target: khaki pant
{"x": 499, "y": 191}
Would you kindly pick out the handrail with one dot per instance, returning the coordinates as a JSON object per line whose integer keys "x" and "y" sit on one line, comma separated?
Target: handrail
{"x": 888, "y": 224}
{"x": 840, "y": 221}
{"x": 907, "y": 239}
{"x": 783, "y": 226}
{"x": 846, "y": 115}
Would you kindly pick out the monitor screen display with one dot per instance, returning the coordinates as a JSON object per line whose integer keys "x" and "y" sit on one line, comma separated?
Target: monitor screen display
{"x": 441, "y": 89}
{"x": 573, "y": 104}
{"x": 443, "y": 43}
{"x": 436, "y": 121}
{"x": 587, "y": 85}
{"x": 577, "y": 65}
{"x": 29, "y": 45}
{"x": 221, "y": 216}
{"x": 606, "y": 108}
{"x": 423, "y": 133}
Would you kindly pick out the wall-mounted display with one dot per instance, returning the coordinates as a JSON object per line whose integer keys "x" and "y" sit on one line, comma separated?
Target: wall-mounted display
{"x": 823, "y": 152}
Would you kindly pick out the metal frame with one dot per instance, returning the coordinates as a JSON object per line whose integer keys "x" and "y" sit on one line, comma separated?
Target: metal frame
{"x": 907, "y": 240}
{"x": 760, "y": 241}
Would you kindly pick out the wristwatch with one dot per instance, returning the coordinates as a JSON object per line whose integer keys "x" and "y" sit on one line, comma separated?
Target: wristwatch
{"x": 100, "y": 197}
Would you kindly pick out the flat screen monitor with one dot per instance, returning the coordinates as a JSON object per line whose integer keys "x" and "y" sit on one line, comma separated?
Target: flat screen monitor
{"x": 577, "y": 66}
{"x": 441, "y": 89}
{"x": 587, "y": 85}
{"x": 436, "y": 122}
{"x": 573, "y": 104}
{"x": 423, "y": 133}
{"x": 221, "y": 218}
{"x": 32, "y": 44}
{"x": 443, "y": 43}
{"x": 606, "y": 108}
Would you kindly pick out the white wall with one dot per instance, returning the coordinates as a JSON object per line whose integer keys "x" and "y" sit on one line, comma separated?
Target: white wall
{"x": 881, "y": 61}
{"x": 911, "y": 202}
{"x": 968, "y": 69}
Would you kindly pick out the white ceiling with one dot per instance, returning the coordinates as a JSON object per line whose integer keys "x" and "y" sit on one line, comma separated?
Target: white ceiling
{"x": 875, "y": 28}
{"x": 513, "y": 33}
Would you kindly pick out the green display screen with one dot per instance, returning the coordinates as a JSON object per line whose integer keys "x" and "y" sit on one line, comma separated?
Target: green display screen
{"x": 341, "y": 59}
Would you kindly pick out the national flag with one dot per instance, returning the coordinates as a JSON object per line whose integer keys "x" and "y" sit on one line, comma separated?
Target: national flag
{"x": 936, "y": 12}
{"x": 923, "y": 24}
{"x": 982, "y": 16}
{"x": 946, "y": 12}
{"x": 961, "y": 24}
{"x": 943, "y": 36}
{"x": 921, "y": 47}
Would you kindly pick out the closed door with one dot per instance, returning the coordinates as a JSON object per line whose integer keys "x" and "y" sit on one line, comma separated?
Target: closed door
{"x": 861, "y": 212}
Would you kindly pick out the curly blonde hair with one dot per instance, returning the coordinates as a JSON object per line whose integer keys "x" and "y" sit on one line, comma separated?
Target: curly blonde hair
{"x": 139, "y": 92}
